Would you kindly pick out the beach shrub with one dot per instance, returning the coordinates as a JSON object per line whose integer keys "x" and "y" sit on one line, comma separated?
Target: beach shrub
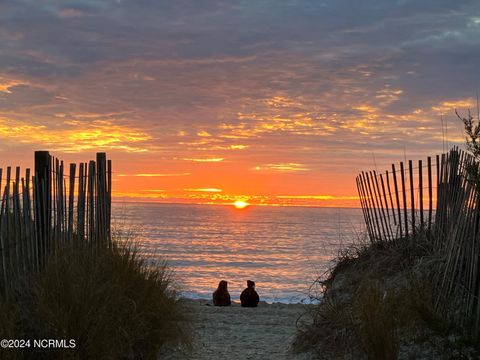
{"x": 378, "y": 303}
{"x": 113, "y": 304}
{"x": 377, "y": 321}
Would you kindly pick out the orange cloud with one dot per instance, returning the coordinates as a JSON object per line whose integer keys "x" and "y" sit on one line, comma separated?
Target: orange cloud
{"x": 238, "y": 147}
{"x": 317, "y": 197}
{"x": 204, "y": 159}
{"x": 387, "y": 96}
{"x": 214, "y": 196}
{"x": 154, "y": 175}
{"x": 282, "y": 167}
{"x": 7, "y": 84}
{"x": 75, "y": 136}
{"x": 212, "y": 190}
{"x": 282, "y": 102}
{"x": 450, "y": 106}
{"x": 141, "y": 195}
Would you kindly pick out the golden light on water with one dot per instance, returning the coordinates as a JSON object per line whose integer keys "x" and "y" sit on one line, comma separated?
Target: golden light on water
{"x": 239, "y": 204}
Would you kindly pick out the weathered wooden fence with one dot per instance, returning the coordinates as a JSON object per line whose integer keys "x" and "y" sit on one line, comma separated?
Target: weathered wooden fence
{"x": 442, "y": 200}
{"x": 395, "y": 203}
{"x": 43, "y": 212}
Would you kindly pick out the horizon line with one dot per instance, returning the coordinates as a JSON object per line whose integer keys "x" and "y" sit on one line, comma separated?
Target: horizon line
{"x": 230, "y": 204}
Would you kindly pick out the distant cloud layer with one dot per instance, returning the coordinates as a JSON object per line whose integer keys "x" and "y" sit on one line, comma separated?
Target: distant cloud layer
{"x": 299, "y": 92}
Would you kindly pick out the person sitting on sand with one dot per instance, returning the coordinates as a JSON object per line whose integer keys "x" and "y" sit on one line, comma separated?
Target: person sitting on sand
{"x": 249, "y": 297}
{"x": 221, "y": 297}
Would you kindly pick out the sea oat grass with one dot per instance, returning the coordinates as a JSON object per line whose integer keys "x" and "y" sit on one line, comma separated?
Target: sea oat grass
{"x": 378, "y": 303}
{"x": 377, "y": 328}
{"x": 112, "y": 303}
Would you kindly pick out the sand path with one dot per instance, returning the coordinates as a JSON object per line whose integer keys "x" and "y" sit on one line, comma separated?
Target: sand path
{"x": 238, "y": 333}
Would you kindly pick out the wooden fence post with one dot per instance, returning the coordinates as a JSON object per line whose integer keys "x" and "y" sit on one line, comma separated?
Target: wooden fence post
{"x": 44, "y": 198}
{"x": 420, "y": 188}
{"x": 71, "y": 193}
{"x": 430, "y": 193}
{"x": 404, "y": 195}
{"x": 397, "y": 197}
{"x": 101, "y": 201}
{"x": 109, "y": 203}
{"x": 92, "y": 239}
{"x": 412, "y": 195}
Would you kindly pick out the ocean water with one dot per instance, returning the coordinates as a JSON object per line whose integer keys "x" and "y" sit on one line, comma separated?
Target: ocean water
{"x": 282, "y": 249}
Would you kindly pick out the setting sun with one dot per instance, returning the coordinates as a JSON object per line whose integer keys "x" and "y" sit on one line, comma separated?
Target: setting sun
{"x": 240, "y": 204}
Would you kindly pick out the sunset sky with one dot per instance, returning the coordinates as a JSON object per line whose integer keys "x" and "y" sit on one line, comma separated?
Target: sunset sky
{"x": 273, "y": 102}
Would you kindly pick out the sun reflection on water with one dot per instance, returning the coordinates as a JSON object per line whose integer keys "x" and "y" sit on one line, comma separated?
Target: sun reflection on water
{"x": 282, "y": 249}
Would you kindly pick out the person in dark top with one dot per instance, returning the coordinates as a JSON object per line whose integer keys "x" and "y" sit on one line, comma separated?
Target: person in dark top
{"x": 249, "y": 297}
{"x": 221, "y": 297}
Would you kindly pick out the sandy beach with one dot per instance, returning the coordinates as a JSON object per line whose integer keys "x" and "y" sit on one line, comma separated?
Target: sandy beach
{"x": 265, "y": 332}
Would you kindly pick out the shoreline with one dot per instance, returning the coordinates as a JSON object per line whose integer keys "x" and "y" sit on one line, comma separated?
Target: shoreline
{"x": 236, "y": 303}
{"x": 268, "y": 301}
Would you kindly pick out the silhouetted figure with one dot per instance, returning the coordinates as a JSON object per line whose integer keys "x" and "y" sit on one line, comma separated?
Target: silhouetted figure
{"x": 221, "y": 297}
{"x": 249, "y": 297}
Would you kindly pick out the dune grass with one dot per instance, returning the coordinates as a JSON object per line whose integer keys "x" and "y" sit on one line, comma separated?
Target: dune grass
{"x": 378, "y": 303}
{"x": 113, "y": 304}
